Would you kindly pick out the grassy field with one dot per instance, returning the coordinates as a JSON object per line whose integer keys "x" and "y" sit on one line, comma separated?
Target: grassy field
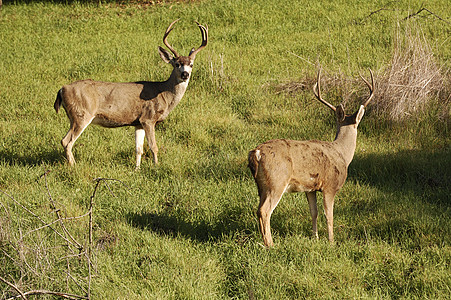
{"x": 187, "y": 228}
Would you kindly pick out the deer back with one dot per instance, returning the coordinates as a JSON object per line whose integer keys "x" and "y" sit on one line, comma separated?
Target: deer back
{"x": 300, "y": 165}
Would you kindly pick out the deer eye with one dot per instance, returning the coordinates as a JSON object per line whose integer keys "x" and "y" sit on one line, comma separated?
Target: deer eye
{"x": 177, "y": 65}
{"x": 191, "y": 65}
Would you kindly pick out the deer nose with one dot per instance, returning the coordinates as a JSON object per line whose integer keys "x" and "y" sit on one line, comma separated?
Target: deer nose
{"x": 184, "y": 75}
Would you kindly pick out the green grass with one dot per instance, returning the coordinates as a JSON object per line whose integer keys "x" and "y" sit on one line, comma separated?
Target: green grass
{"x": 187, "y": 229}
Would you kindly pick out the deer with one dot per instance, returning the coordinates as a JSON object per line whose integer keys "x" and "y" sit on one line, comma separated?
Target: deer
{"x": 141, "y": 104}
{"x": 280, "y": 165}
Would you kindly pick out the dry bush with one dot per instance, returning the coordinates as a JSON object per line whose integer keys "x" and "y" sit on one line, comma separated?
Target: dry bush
{"x": 407, "y": 86}
{"x": 39, "y": 253}
{"x": 413, "y": 78}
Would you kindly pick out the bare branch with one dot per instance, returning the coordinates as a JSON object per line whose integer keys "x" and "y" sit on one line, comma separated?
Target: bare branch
{"x": 425, "y": 9}
{"x": 86, "y": 252}
{"x": 6, "y": 210}
{"x": 14, "y": 287}
{"x": 384, "y": 8}
{"x": 32, "y": 213}
{"x": 112, "y": 179}
{"x": 57, "y": 212}
{"x": 55, "y": 221}
{"x": 45, "y": 292}
{"x": 77, "y": 283}
{"x": 300, "y": 57}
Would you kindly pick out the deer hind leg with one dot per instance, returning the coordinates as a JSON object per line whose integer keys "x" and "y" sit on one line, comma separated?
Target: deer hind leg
{"x": 76, "y": 129}
{"x": 139, "y": 140}
{"x": 268, "y": 202}
{"x": 311, "y": 197}
{"x": 149, "y": 129}
{"x": 328, "y": 202}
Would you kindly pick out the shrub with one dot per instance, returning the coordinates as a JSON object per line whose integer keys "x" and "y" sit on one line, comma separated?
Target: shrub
{"x": 412, "y": 79}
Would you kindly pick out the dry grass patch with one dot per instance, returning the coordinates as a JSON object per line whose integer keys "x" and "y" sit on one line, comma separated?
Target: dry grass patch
{"x": 412, "y": 79}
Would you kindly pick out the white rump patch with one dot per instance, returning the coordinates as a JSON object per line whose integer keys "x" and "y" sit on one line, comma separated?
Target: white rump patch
{"x": 257, "y": 154}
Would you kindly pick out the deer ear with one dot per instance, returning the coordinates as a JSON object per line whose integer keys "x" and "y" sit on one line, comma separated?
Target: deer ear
{"x": 340, "y": 113}
{"x": 360, "y": 113}
{"x": 192, "y": 50}
{"x": 165, "y": 55}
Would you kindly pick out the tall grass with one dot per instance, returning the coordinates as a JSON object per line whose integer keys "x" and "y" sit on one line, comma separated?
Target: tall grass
{"x": 413, "y": 77}
{"x": 187, "y": 228}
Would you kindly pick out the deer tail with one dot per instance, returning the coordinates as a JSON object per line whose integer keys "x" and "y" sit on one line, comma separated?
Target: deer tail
{"x": 253, "y": 161}
{"x": 58, "y": 101}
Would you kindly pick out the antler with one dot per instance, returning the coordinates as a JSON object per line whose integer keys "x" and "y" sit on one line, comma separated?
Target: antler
{"x": 370, "y": 87}
{"x": 317, "y": 92}
{"x": 165, "y": 39}
{"x": 204, "y": 31}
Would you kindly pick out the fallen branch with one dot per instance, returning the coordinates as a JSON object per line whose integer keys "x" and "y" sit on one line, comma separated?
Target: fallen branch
{"x": 384, "y": 8}
{"x": 57, "y": 212}
{"x": 425, "y": 9}
{"x": 14, "y": 287}
{"x": 85, "y": 251}
{"x": 34, "y": 215}
{"x": 45, "y": 292}
{"x": 91, "y": 204}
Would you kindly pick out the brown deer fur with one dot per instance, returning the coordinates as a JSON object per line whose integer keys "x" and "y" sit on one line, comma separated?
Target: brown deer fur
{"x": 280, "y": 166}
{"x": 139, "y": 104}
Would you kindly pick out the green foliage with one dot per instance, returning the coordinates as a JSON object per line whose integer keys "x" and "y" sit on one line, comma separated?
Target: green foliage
{"x": 187, "y": 228}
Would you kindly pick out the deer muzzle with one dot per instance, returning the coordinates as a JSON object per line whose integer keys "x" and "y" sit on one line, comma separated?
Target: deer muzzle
{"x": 184, "y": 75}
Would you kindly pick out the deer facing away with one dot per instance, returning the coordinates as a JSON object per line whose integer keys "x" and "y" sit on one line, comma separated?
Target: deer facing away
{"x": 140, "y": 104}
{"x": 280, "y": 166}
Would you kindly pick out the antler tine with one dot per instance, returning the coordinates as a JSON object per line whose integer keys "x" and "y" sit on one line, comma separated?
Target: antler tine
{"x": 204, "y": 32}
{"x": 370, "y": 87}
{"x": 165, "y": 38}
{"x": 317, "y": 92}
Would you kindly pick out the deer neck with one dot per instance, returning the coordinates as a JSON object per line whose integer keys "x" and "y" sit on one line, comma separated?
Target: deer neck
{"x": 346, "y": 141}
{"x": 175, "y": 89}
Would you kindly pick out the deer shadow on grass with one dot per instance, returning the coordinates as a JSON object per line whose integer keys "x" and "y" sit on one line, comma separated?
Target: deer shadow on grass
{"x": 231, "y": 221}
{"x": 14, "y": 157}
{"x": 423, "y": 173}
{"x": 409, "y": 170}
{"x": 413, "y": 170}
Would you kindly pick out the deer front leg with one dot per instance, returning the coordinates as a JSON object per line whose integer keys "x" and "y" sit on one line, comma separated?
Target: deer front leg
{"x": 328, "y": 202}
{"x": 139, "y": 140}
{"x": 311, "y": 197}
{"x": 149, "y": 128}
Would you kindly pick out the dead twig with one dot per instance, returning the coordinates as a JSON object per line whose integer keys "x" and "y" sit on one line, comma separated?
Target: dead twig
{"x": 300, "y": 57}
{"x": 77, "y": 283}
{"x": 384, "y": 8}
{"x": 91, "y": 205}
{"x": 45, "y": 292}
{"x": 85, "y": 251}
{"x": 21, "y": 294}
{"x": 55, "y": 221}
{"x": 34, "y": 215}
{"x": 425, "y": 9}
{"x": 57, "y": 212}
{"x": 6, "y": 210}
